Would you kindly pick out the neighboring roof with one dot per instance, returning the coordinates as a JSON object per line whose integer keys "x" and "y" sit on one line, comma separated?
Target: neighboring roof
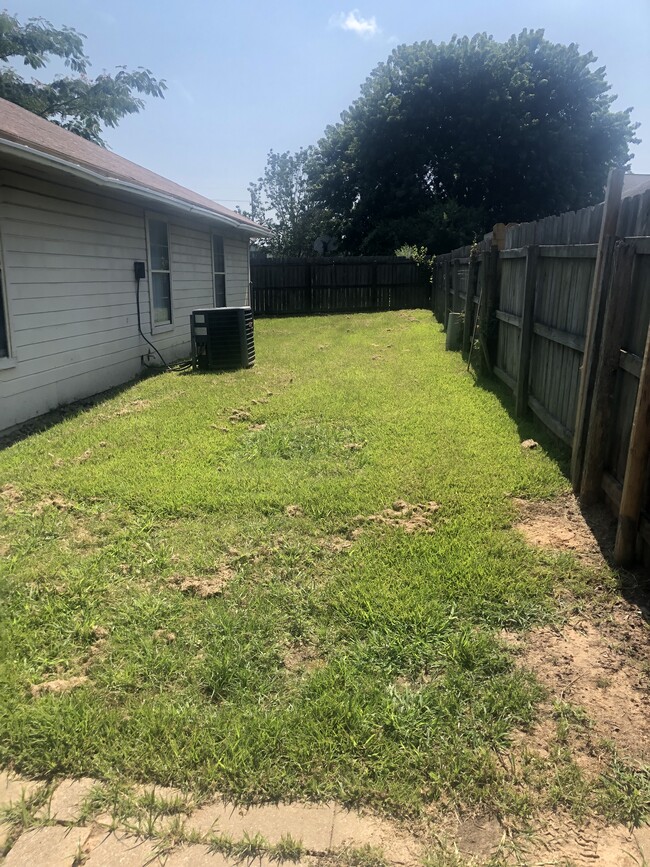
{"x": 22, "y": 127}
{"x": 634, "y": 185}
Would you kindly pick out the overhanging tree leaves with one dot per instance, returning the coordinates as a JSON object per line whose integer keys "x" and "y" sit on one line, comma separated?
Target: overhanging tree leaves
{"x": 77, "y": 103}
{"x": 447, "y": 139}
{"x": 281, "y": 200}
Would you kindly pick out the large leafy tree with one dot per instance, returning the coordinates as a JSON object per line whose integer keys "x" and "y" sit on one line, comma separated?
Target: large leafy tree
{"x": 76, "y": 102}
{"x": 281, "y": 199}
{"x": 446, "y": 139}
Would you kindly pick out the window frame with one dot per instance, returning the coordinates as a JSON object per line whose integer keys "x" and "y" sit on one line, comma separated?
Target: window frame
{"x": 157, "y": 328}
{"x": 7, "y": 360}
{"x": 223, "y": 273}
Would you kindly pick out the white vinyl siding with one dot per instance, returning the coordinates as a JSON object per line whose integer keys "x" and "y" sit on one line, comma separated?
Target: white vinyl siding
{"x": 68, "y": 269}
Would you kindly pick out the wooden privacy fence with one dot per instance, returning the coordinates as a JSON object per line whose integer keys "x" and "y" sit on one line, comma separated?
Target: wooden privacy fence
{"x": 345, "y": 284}
{"x": 561, "y": 309}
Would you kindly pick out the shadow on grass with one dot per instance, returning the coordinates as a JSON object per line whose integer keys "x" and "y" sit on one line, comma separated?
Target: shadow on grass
{"x": 67, "y": 411}
{"x": 633, "y": 583}
{"x": 78, "y": 407}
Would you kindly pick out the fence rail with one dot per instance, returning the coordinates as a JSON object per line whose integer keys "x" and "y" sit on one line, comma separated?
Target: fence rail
{"x": 296, "y": 287}
{"x": 562, "y": 313}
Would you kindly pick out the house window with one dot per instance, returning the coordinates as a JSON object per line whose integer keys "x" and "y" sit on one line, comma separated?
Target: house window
{"x": 4, "y": 338}
{"x": 161, "y": 284}
{"x": 219, "y": 269}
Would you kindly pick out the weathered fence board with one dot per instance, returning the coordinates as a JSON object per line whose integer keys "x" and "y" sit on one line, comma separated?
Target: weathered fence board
{"x": 546, "y": 375}
{"x": 296, "y": 287}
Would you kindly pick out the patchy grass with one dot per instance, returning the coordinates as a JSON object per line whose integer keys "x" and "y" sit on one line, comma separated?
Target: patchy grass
{"x": 237, "y": 481}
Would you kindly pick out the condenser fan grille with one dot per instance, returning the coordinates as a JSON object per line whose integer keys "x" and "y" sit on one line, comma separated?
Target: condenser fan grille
{"x": 222, "y": 338}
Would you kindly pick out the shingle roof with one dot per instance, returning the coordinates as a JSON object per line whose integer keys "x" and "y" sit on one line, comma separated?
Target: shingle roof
{"x": 25, "y": 128}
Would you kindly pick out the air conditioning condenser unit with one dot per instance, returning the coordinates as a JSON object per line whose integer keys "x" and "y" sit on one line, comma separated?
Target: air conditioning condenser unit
{"x": 222, "y": 338}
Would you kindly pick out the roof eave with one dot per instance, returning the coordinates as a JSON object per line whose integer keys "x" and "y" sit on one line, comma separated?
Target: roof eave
{"x": 119, "y": 185}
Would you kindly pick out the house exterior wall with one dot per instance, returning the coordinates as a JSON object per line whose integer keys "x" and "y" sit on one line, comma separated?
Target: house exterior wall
{"x": 67, "y": 260}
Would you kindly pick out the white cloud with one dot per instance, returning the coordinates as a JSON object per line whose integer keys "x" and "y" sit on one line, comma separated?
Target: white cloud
{"x": 353, "y": 21}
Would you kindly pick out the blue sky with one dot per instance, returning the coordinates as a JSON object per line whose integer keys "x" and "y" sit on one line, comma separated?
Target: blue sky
{"x": 245, "y": 76}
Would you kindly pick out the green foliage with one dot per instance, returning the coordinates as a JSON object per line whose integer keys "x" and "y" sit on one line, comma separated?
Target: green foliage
{"x": 281, "y": 200}
{"x": 418, "y": 254}
{"x": 626, "y": 792}
{"x": 447, "y": 139}
{"x": 77, "y": 103}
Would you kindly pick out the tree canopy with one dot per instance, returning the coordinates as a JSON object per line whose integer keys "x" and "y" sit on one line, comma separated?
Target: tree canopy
{"x": 76, "y": 102}
{"x": 447, "y": 139}
{"x": 281, "y": 200}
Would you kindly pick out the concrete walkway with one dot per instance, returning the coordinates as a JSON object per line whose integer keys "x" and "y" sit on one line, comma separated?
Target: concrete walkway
{"x": 80, "y": 822}
{"x": 64, "y": 831}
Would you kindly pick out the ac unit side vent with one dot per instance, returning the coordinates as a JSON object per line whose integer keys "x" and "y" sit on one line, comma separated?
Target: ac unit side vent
{"x": 222, "y": 338}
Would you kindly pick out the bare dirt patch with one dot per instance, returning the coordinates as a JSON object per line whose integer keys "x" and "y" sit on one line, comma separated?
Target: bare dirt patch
{"x": 579, "y": 665}
{"x": 52, "y": 501}
{"x": 138, "y": 405}
{"x": 96, "y": 649}
{"x": 11, "y": 497}
{"x": 239, "y": 415}
{"x": 335, "y": 544}
{"x": 164, "y": 636}
{"x": 480, "y": 836}
{"x": 554, "y": 839}
{"x": 294, "y": 511}
{"x": 66, "y": 682}
{"x": 205, "y": 586}
{"x": 558, "y": 840}
{"x": 302, "y": 658}
{"x": 82, "y": 537}
{"x": 410, "y": 518}
{"x": 56, "y": 687}
{"x": 598, "y": 662}
{"x": 560, "y": 524}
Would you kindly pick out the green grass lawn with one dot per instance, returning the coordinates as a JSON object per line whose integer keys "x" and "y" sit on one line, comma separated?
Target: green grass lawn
{"x": 371, "y": 672}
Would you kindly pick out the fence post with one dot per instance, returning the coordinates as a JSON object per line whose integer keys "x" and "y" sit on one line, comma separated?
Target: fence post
{"x": 310, "y": 289}
{"x": 374, "y": 293}
{"x": 499, "y": 235}
{"x": 636, "y": 468}
{"x": 601, "y": 275}
{"x": 491, "y": 289}
{"x": 446, "y": 283}
{"x": 472, "y": 273}
{"x": 455, "y": 268}
{"x": 602, "y": 409}
{"x": 526, "y": 333}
